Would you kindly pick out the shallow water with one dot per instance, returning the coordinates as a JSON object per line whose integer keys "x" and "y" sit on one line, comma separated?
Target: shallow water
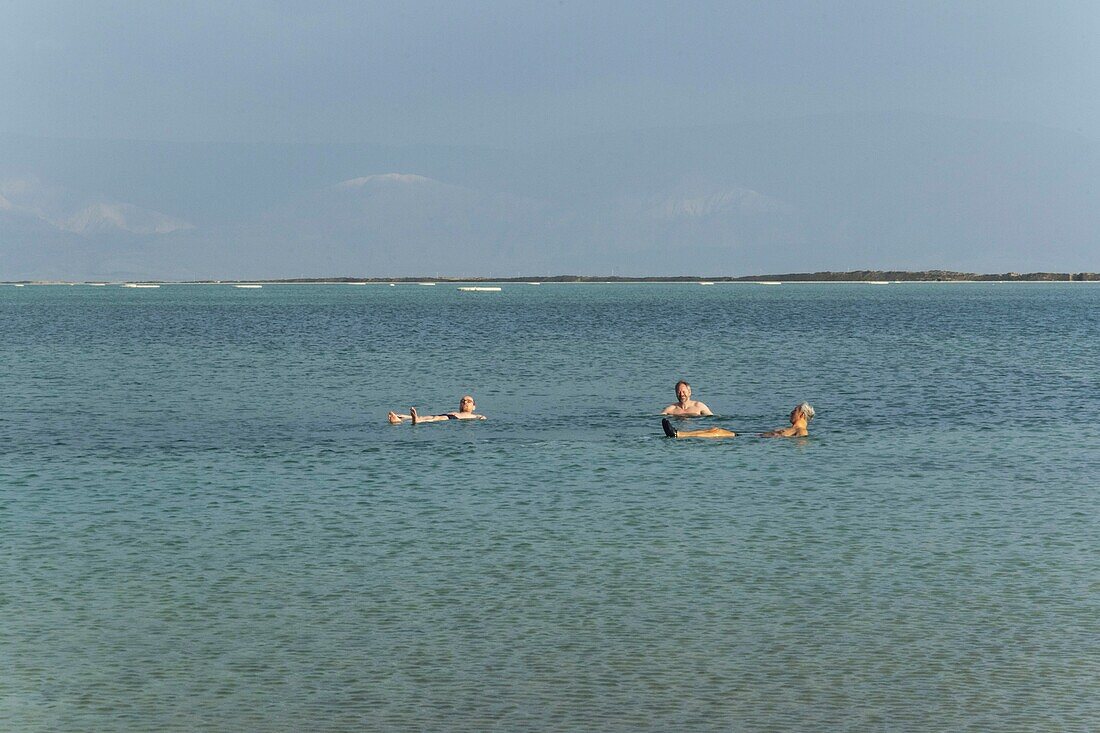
{"x": 208, "y": 523}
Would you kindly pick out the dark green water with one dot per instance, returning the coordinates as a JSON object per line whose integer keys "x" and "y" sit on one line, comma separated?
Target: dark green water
{"x": 208, "y": 525}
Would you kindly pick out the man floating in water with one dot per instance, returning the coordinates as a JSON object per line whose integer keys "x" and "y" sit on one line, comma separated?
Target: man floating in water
{"x": 799, "y": 417}
{"x": 465, "y": 411}
{"x": 684, "y": 405}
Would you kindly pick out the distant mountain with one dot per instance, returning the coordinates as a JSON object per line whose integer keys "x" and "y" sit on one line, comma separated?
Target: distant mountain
{"x": 384, "y": 223}
{"x": 392, "y": 223}
{"x": 715, "y": 202}
{"x": 49, "y": 231}
{"x": 62, "y": 209}
{"x": 889, "y": 192}
{"x": 104, "y": 217}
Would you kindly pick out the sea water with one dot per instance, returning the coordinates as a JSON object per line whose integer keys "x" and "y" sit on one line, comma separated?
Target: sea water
{"x": 208, "y": 524}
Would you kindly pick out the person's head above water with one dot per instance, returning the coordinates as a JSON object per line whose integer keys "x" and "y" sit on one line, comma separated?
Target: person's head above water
{"x": 803, "y": 410}
{"x": 683, "y": 391}
{"x": 466, "y": 404}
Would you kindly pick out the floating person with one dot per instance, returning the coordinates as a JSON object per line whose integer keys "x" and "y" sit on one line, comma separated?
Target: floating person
{"x": 800, "y": 418}
{"x": 684, "y": 405}
{"x": 465, "y": 411}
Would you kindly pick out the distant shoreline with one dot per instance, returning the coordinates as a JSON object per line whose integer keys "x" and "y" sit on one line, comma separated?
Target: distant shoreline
{"x": 825, "y": 276}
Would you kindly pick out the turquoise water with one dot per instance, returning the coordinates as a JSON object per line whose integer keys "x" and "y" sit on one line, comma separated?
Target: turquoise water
{"x": 208, "y": 525}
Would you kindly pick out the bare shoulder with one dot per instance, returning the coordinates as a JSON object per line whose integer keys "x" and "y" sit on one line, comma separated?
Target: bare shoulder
{"x": 702, "y": 408}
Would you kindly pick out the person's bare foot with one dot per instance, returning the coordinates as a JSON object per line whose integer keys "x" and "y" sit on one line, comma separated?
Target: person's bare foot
{"x": 415, "y": 417}
{"x": 393, "y": 418}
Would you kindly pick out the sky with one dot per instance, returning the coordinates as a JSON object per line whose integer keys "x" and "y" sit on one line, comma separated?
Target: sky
{"x": 513, "y": 73}
{"x": 277, "y": 139}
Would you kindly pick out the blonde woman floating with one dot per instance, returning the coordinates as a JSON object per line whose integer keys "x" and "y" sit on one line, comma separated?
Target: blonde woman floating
{"x": 465, "y": 411}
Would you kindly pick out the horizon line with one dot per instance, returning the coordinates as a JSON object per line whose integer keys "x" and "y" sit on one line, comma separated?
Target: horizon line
{"x": 818, "y": 276}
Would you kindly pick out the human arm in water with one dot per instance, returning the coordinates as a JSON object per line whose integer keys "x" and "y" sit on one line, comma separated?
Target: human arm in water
{"x": 791, "y": 432}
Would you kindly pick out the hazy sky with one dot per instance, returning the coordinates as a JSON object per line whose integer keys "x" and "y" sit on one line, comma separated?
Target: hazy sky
{"x": 513, "y": 72}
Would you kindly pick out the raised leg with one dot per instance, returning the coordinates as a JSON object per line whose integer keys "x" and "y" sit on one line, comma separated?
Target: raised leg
{"x": 707, "y": 433}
